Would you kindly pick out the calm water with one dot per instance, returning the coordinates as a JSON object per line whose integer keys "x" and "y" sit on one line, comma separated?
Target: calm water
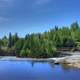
{"x": 28, "y": 70}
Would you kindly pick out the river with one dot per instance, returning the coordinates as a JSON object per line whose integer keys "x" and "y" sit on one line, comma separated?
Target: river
{"x": 30, "y": 70}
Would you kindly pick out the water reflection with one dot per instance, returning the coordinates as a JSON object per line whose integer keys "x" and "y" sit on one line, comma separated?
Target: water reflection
{"x": 34, "y": 62}
{"x": 51, "y": 63}
{"x": 36, "y": 70}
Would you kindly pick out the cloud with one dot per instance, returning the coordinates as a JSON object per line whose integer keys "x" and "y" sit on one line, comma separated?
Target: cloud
{"x": 3, "y": 19}
{"x": 42, "y": 2}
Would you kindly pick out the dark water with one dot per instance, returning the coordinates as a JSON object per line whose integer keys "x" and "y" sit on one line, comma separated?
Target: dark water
{"x": 28, "y": 70}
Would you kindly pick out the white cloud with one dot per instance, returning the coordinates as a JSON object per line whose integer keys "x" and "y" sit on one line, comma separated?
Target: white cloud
{"x": 3, "y": 19}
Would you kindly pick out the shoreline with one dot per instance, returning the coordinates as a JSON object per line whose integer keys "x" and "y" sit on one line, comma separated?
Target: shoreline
{"x": 71, "y": 61}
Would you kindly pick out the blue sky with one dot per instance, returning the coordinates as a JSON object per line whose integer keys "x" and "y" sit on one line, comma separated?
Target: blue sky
{"x": 32, "y": 16}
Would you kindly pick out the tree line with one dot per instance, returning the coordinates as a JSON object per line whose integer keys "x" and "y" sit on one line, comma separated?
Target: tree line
{"x": 42, "y": 45}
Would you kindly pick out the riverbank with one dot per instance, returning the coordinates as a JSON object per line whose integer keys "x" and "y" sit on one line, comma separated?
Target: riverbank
{"x": 72, "y": 60}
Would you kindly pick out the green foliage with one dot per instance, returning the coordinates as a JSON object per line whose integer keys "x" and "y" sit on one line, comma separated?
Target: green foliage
{"x": 10, "y": 40}
{"x": 45, "y": 44}
{"x": 74, "y": 26}
{"x": 5, "y": 41}
{"x": 23, "y": 53}
{"x": 18, "y": 46}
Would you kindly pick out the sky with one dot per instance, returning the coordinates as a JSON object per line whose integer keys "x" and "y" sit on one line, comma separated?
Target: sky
{"x": 34, "y": 16}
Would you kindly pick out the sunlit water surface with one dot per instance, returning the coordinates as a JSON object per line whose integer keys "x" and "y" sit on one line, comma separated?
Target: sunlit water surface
{"x": 29, "y": 70}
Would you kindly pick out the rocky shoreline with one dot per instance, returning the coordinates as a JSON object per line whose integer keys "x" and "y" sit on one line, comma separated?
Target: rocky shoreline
{"x": 72, "y": 61}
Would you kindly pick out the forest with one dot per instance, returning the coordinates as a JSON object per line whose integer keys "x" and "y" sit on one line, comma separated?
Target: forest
{"x": 42, "y": 45}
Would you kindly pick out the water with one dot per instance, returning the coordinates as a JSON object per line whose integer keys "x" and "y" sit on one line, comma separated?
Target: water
{"x": 29, "y": 70}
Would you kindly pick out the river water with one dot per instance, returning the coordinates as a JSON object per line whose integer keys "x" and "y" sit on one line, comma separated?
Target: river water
{"x": 30, "y": 70}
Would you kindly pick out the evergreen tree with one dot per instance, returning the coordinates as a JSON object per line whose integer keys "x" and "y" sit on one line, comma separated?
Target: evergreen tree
{"x": 10, "y": 40}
